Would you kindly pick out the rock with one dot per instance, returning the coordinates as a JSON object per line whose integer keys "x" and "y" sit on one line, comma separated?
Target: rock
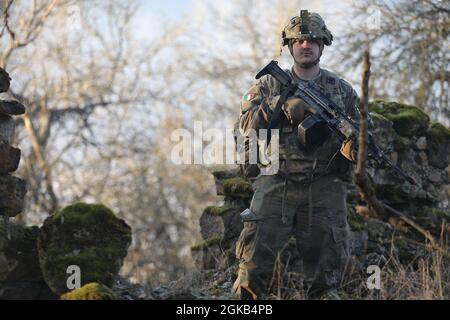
{"x": 12, "y": 191}
{"x": 237, "y": 188}
{"x": 438, "y": 149}
{"x": 378, "y": 230}
{"x": 435, "y": 177}
{"x": 12, "y": 108}
{"x": 207, "y": 254}
{"x": 220, "y": 176}
{"x": 383, "y": 130}
{"x": 193, "y": 286}
{"x": 224, "y": 222}
{"x": 232, "y": 185}
{"x": 408, "y": 120}
{"x": 4, "y": 80}
{"x": 88, "y": 236}
{"x": 7, "y": 127}
{"x": 358, "y": 242}
{"x": 374, "y": 259}
{"x": 26, "y": 290}
{"x": 170, "y": 292}
{"x": 393, "y": 157}
{"x": 421, "y": 143}
{"x": 131, "y": 291}
{"x": 383, "y": 178}
{"x": 20, "y": 273}
{"x": 91, "y": 291}
{"x": 421, "y": 159}
{"x": 9, "y": 158}
{"x": 18, "y": 252}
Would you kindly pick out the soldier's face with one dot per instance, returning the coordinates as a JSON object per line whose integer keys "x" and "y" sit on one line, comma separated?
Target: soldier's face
{"x": 305, "y": 51}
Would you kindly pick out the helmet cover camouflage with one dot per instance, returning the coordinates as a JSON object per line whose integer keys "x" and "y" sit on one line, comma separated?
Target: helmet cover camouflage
{"x": 307, "y": 26}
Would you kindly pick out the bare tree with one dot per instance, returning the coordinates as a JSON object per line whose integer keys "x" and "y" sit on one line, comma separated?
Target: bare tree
{"x": 409, "y": 41}
{"x": 231, "y": 43}
{"x": 95, "y": 131}
{"x": 72, "y": 58}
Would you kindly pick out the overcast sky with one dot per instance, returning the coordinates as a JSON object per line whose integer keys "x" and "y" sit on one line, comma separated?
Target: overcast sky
{"x": 154, "y": 12}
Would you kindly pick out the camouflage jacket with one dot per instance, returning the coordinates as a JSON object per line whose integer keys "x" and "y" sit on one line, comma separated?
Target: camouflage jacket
{"x": 257, "y": 107}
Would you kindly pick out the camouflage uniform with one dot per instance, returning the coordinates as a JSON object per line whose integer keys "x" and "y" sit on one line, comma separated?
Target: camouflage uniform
{"x": 309, "y": 187}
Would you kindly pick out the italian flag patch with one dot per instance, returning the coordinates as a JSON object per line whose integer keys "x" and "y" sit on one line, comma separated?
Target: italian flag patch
{"x": 249, "y": 96}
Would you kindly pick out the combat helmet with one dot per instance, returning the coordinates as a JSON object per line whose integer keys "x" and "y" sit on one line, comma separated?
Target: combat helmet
{"x": 306, "y": 26}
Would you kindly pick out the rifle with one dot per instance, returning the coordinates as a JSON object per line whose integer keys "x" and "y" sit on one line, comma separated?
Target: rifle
{"x": 335, "y": 118}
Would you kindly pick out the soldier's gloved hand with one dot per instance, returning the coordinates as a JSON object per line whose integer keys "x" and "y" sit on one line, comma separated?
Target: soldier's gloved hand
{"x": 348, "y": 149}
{"x": 296, "y": 110}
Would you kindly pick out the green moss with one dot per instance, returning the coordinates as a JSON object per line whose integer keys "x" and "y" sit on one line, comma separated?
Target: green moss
{"x": 91, "y": 291}
{"x": 87, "y": 235}
{"x": 216, "y": 211}
{"x": 404, "y": 252}
{"x": 400, "y": 243}
{"x": 88, "y": 214}
{"x": 408, "y": 120}
{"x": 221, "y": 174}
{"x": 402, "y": 143}
{"x": 438, "y": 144}
{"x": 376, "y": 117}
{"x": 439, "y": 133}
{"x": 378, "y": 230}
{"x": 292, "y": 241}
{"x": 230, "y": 254}
{"x": 420, "y": 212}
{"x": 441, "y": 214}
{"x": 356, "y": 222}
{"x": 237, "y": 187}
{"x": 216, "y": 291}
{"x": 206, "y": 244}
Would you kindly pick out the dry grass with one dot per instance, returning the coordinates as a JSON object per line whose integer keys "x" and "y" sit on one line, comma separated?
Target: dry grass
{"x": 424, "y": 278}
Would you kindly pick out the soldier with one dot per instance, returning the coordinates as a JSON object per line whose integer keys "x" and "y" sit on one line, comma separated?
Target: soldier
{"x": 307, "y": 197}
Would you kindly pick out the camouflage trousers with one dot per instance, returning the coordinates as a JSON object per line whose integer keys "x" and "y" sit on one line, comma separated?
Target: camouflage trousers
{"x": 315, "y": 213}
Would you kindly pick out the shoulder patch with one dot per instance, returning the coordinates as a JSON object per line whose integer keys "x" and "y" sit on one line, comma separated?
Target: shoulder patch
{"x": 249, "y": 96}
{"x": 331, "y": 80}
